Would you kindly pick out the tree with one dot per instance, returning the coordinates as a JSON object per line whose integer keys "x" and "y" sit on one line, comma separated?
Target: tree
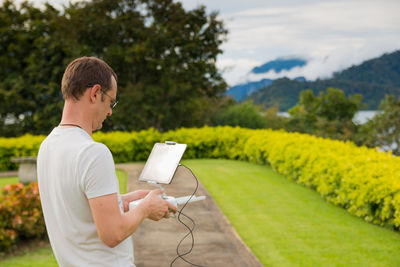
{"x": 31, "y": 63}
{"x": 244, "y": 115}
{"x": 328, "y": 115}
{"x": 384, "y": 129}
{"x": 164, "y": 57}
{"x": 335, "y": 106}
{"x": 304, "y": 114}
{"x": 274, "y": 120}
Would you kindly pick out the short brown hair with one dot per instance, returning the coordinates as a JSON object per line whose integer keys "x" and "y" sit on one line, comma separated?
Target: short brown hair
{"x": 83, "y": 73}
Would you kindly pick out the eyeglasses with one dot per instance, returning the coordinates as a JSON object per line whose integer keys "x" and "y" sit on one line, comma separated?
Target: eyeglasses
{"x": 113, "y": 103}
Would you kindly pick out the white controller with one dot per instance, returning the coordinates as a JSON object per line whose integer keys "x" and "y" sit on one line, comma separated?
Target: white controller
{"x": 174, "y": 201}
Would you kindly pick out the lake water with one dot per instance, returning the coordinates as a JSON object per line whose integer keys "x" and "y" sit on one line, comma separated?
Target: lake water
{"x": 363, "y": 116}
{"x": 360, "y": 117}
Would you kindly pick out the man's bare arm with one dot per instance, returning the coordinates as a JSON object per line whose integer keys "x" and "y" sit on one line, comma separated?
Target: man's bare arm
{"x": 114, "y": 227}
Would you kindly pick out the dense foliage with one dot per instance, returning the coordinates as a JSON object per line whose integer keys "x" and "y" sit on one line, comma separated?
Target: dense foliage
{"x": 244, "y": 115}
{"x": 21, "y": 215}
{"x": 329, "y": 114}
{"x": 361, "y": 180}
{"x": 164, "y": 57}
{"x": 372, "y": 79}
{"x": 384, "y": 129}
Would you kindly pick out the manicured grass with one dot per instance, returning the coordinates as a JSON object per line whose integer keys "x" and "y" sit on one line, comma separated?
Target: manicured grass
{"x": 43, "y": 256}
{"x": 286, "y": 224}
{"x": 38, "y": 257}
{"x": 123, "y": 181}
{"x": 8, "y": 180}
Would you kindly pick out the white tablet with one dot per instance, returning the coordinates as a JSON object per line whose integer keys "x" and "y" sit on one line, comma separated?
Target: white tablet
{"x": 162, "y": 163}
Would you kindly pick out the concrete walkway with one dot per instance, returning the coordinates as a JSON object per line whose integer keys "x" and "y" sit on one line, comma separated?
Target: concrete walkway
{"x": 216, "y": 242}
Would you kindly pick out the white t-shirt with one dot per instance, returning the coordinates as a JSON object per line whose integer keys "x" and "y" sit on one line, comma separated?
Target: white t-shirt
{"x": 72, "y": 168}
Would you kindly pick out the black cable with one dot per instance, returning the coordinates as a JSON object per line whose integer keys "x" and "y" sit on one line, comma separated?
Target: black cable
{"x": 190, "y": 229}
{"x": 189, "y": 233}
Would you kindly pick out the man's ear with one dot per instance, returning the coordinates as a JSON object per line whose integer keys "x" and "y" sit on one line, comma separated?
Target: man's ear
{"x": 94, "y": 93}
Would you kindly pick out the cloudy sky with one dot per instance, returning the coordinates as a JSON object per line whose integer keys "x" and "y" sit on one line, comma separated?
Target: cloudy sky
{"x": 330, "y": 34}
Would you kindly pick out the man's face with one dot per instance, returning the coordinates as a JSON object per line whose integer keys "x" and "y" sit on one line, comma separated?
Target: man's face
{"x": 104, "y": 108}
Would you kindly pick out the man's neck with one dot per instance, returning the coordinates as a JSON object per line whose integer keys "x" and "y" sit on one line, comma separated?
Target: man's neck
{"x": 74, "y": 113}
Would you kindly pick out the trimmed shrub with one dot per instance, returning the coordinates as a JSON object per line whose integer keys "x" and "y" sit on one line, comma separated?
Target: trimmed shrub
{"x": 27, "y": 145}
{"x": 129, "y": 146}
{"x": 363, "y": 181}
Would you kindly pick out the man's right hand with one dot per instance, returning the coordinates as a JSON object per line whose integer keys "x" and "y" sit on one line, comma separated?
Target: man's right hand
{"x": 156, "y": 208}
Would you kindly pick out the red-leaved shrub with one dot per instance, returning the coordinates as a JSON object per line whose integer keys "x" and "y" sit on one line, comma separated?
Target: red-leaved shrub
{"x": 21, "y": 215}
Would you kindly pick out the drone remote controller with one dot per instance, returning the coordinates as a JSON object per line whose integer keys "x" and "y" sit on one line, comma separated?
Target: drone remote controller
{"x": 174, "y": 201}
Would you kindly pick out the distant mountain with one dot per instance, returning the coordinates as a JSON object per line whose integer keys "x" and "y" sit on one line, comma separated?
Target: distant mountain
{"x": 242, "y": 91}
{"x": 382, "y": 70}
{"x": 372, "y": 79}
{"x": 280, "y": 64}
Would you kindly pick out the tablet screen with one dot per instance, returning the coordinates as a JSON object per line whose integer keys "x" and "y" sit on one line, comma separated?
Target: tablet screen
{"x": 161, "y": 165}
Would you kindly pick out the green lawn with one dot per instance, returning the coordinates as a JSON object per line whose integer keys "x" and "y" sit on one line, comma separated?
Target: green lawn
{"x": 285, "y": 224}
{"x": 43, "y": 256}
{"x": 123, "y": 181}
{"x": 40, "y": 257}
{"x": 8, "y": 180}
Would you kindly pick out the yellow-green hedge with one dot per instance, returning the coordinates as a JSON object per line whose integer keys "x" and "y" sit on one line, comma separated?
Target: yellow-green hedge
{"x": 363, "y": 181}
{"x": 27, "y": 145}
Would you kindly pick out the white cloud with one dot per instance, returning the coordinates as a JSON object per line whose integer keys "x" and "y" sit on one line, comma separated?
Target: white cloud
{"x": 235, "y": 70}
{"x": 333, "y": 34}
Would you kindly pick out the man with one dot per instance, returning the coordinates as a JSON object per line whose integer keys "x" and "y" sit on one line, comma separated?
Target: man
{"x": 87, "y": 220}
